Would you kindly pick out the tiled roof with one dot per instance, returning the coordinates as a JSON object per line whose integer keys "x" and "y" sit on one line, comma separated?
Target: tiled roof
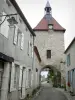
{"x": 43, "y": 25}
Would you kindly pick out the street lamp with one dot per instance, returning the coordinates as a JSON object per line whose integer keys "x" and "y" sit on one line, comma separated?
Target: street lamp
{"x": 10, "y": 19}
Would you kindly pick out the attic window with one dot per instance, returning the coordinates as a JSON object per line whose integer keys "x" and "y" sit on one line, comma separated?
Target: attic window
{"x": 50, "y": 26}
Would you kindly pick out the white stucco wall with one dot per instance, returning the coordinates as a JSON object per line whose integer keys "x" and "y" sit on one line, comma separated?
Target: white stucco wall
{"x": 70, "y": 68}
{"x": 8, "y": 48}
{"x": 71, "y": 51}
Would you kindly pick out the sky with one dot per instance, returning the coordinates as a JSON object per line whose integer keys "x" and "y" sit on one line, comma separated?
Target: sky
{"x": 62, "y": 10}
{"x": 44, "y": 73}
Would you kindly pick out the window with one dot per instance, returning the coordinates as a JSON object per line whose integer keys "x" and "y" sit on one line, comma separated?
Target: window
{"x": 19, "y": 37}
{"x": 50, "y": 26}
{"x": 48, "y": 53}
{"x": 30, "y": 49}
{"x": 68, "y": 60}
{"x": 4, "y": 26}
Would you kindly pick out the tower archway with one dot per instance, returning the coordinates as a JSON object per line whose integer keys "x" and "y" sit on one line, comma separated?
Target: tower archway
{"x": 51, "y": 75}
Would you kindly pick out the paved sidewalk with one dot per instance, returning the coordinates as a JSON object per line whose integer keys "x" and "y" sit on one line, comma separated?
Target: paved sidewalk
{"x": 67, "y": 94}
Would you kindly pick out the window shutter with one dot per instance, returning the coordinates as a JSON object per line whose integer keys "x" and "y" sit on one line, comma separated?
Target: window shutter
{"x": 28, "y": 47}
{"x": 22, "y": 41}
{"x": 4, "y": 26}
{"x": 27, "y": 86}
{"x": 20, "y": 78}
{"x": 15, "y": 35}
{"x": 12, "y": 77}
{"x": 32, "y": 51}
{"x": 68, "y": 60}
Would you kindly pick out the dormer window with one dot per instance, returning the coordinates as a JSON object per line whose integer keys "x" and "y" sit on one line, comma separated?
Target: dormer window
{"x": 50, "y": 26}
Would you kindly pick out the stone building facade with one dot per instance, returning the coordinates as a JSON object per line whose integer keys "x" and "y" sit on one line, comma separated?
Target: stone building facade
{"x": 50, "y": 41}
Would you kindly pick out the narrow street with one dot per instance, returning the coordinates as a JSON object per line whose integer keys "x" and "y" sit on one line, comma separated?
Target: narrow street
{"x": 50, "y": 93}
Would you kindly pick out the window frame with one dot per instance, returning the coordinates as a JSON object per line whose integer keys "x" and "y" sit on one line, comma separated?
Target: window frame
{"x": 47, "y": 53}
{"x": 50, "y": 27}
{"x": 68, "y": 60}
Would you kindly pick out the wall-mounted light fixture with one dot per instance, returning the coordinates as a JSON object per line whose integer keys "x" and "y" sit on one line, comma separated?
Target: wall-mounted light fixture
{"x": 11, "y": 19}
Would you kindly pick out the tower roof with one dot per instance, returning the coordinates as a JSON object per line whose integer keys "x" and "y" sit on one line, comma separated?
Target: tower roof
{"x": 48, "y": 4}
{"x": 43, "y": 25}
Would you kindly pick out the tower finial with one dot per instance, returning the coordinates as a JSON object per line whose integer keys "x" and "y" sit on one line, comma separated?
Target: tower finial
{"x": 48, "y": 11}
{"x": 48, "y": 8}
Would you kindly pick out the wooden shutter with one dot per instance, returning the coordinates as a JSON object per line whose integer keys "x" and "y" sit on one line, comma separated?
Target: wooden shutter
{"x": 20, "y": 78}
{"x": 12, "y": 77}
{"x": 15, "y": 35}
{"x": 22, "y": 41}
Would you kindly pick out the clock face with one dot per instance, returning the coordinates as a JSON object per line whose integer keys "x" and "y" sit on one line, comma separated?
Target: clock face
{"x": 50, "y": 26}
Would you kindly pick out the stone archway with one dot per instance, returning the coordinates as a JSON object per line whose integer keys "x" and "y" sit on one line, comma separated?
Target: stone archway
{"x": 56, "y": 72}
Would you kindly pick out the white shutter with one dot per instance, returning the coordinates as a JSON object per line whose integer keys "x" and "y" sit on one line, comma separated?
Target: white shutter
{"x": 20, "y": 78}
{"x": 22, "y": 41}
{"x": 4, "y": 26}
{"x": 12, "y": 77}
{"x": 32, "y": 50}
{"x": 28, "y": 47}
{"x": 27, "y": 85}
{"x": 15, "y": 35}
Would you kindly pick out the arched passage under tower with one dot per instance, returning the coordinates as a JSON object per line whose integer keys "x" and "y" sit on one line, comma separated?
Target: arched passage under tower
{"x": 50, "y": 75}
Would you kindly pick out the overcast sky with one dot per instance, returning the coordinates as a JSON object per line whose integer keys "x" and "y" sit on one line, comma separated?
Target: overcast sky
{"x": 62, "y": 10}
{"x": 44, "y": 73}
